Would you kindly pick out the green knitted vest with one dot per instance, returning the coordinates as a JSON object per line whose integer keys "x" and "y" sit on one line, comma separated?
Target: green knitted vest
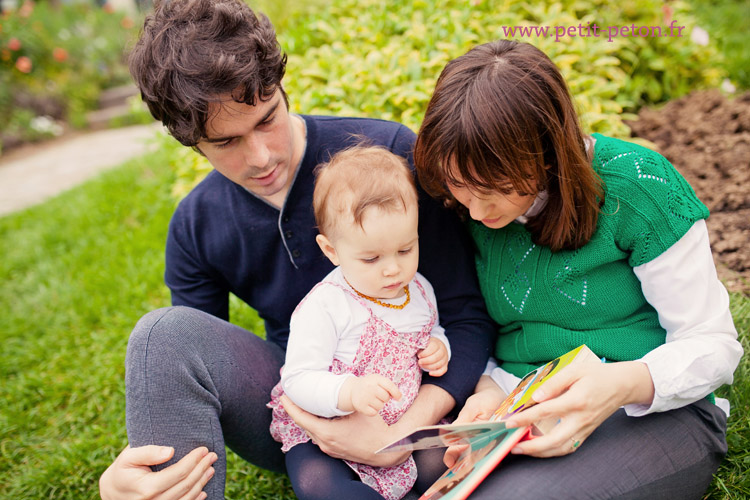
{"x": 549, "y": 303}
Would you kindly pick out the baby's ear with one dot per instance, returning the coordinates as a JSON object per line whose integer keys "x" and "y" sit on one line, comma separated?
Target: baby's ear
{"x": 327, "y": 248}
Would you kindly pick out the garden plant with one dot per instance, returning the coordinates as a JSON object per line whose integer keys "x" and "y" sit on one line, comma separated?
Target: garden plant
{"x": 55, "y": 60}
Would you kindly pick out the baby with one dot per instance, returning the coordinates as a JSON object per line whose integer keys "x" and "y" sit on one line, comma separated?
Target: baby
{"x": 360, "y": 338}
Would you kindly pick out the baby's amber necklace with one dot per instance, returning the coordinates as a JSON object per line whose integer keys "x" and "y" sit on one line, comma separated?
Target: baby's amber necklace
{"x": 380, "y": 303}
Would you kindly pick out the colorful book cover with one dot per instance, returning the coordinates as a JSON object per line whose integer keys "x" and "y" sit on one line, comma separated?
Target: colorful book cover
{"x": 474, "y": 464}
{"x": 490, "y": 441}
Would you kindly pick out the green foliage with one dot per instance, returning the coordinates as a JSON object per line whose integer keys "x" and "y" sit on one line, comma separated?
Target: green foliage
{"x": 728, "y": 21}
{"x": 138, "y": 114}
{"x": 189, "y": 165}
{"x": 55, "y": 60}
{"x": 282, "y": 13}
{"x": 382, "y": 58}
{"x": 658, "y": 68}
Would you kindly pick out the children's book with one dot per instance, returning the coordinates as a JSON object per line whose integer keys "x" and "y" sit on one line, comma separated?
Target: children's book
{"x": 487, "y": 443}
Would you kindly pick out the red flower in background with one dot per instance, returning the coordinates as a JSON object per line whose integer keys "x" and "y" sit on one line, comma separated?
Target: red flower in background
{"x": 23, "y": 64}
{"x": 14, "y": 44}
{"x": 26, "y": 9}
{"x": 667, "y": 11}
{"x": 60, "y": 54}
{"x": 127, "y": 23}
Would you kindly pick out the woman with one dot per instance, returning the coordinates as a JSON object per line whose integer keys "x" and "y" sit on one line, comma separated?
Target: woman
{"x": 582, "y": 239}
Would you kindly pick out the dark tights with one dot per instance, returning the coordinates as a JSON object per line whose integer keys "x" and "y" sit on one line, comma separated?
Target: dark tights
{"x": 315, "y": 475}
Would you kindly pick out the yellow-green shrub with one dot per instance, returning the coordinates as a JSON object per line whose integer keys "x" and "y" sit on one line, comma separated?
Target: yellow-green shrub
{"x": 382, "y": 59}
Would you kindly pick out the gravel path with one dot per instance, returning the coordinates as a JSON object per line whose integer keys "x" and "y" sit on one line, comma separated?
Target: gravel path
{"x": 32, "y": 174}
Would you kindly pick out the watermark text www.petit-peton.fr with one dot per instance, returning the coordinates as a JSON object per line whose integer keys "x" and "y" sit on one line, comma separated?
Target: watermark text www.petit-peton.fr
{"x": 593, "y": 30}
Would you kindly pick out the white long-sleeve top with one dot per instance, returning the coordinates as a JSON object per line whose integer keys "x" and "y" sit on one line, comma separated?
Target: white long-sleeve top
{"x": 701, "y": 350}
{"x": 327, "y": 325}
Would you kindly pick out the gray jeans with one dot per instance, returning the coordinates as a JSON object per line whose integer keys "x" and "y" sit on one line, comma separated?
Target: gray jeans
{"x": 195, "y": 380}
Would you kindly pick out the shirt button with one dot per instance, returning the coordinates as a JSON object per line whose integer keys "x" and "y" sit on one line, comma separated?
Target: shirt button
{"x": 296, "y": 253}
{"x": 285, "y": 218}
{"x": 288, "y": 234}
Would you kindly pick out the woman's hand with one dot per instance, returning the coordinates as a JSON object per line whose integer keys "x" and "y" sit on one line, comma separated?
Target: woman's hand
{"x": 130, "y": 477}
{"x": 354, "y": 437}
{"x": 582, "y": 397}
{"x": 480, "y": 406}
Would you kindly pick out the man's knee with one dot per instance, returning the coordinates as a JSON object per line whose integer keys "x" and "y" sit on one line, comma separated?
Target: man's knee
{"x": 160, "y": 330}
{"x": 152, "y": 326}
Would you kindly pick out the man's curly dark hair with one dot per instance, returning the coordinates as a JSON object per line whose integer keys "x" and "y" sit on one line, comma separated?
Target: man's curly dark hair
{"x": 192, "y": 52}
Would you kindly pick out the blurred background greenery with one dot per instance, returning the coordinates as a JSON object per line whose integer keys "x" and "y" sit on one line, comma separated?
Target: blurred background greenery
{"x": 78, "y": 271}
{"x": 55, "y": 60}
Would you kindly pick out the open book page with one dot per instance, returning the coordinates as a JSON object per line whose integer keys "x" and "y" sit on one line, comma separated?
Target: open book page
{"x": 442, "y": 436}
{"x": 436, "y": 436}
{"x": 488, "y": 443}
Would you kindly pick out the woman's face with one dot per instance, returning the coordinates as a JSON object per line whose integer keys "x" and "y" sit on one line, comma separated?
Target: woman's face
{"x": 494, "y": 209}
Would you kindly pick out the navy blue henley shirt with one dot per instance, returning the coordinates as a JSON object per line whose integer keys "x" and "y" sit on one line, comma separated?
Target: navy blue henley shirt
{"x": 224, "y": 239}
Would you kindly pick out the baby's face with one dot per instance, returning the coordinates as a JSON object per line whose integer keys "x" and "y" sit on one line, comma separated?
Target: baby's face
{"x": 380, "y": 257}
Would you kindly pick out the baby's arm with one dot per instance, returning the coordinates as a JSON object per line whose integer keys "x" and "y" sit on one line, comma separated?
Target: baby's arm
{"x": 313, "y": 343}
{"x": 434, "y": 358}
{"x": 367, "y": 394}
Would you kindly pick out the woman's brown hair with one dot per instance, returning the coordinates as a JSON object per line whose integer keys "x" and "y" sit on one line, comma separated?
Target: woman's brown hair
{"x": 502, "y": 115}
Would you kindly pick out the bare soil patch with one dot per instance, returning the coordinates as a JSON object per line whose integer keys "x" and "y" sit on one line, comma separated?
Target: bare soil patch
{"x": 706, "y": 136}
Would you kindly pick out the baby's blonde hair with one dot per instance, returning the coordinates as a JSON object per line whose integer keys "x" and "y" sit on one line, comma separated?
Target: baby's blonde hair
{"x": 359, "y": 178}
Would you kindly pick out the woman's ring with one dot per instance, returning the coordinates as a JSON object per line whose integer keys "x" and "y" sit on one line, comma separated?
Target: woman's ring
{"x": 576, "y": 443}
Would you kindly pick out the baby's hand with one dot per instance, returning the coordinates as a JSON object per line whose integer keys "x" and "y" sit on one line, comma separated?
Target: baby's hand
{"x": 367, "y": 394}
{"x": 434, "y": 358}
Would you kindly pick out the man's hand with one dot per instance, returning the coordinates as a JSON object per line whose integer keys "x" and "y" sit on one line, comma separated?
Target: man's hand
{"x": 434, "y": 358}
{"x": 367, "y": 394}
{"x": 354, "y": 437}
{"x": 130, "y": 477}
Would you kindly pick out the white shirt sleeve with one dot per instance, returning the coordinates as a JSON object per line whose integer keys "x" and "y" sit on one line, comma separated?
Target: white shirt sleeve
{"x": 313, "y": 339}
{"x": 701, "y": 350}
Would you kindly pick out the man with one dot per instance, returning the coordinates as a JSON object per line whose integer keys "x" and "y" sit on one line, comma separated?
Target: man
{"x": 211, "y": 71}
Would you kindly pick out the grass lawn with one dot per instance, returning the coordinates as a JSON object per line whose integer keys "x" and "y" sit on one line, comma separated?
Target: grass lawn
{"x": 77, "y": 272}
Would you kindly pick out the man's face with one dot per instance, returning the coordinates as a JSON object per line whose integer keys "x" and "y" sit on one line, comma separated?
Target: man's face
{"x": 257, "y": 147}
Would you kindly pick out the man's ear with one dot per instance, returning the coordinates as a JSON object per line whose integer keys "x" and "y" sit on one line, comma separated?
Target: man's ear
{"x": 327, "y": 248}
